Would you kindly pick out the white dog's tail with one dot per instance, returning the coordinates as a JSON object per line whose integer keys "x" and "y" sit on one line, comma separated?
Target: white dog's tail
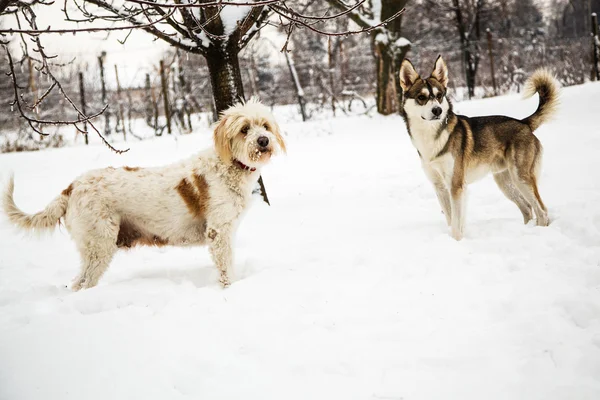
{"x": 545, "y": 85}
{"x": 43, "y": 220}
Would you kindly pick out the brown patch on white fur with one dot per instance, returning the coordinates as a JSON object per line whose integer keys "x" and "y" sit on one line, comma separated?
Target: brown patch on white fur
{"x": 130, "y": 236}
{"x": 109, "y": 209}
{"x": 195, "y": 195}
{"x": 68, "y": 190}
{"x": 131, "y": 169}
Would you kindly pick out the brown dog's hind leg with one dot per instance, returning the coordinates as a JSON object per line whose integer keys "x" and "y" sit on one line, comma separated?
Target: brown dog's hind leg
{"x": 511, "y": 192}
{"x": 523, "y": 174}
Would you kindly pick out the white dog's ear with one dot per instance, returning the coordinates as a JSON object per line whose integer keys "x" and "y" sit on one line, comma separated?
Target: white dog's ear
{"x": 277, "y": 133}
{"x": 440, "y": 71}
{"x": 408, "y": 75}
{"x": 222, "y": 140}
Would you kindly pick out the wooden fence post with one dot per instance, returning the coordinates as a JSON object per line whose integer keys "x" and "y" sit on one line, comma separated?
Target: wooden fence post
{"x": 83, "y": 106}
{"x": 165, "y": 90}
{"x": 148, "y": 109}
{"x": 104, "y": 102}
{"x": 331, "y": 73}
{"x": 120, "y": 101}
{"x": 596, "y": 43}
{"x": 491, "y": 53}
{"x": 184, "y": 93}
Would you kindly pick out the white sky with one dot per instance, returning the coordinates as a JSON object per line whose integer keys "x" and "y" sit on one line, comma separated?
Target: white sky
{"x": 134, "y": 58}
{"x": 139, "y": 55}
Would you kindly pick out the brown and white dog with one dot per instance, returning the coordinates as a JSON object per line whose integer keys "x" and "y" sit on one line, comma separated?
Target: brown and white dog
{"x": 197, "y": 201}
{"x": 456, "y": 150}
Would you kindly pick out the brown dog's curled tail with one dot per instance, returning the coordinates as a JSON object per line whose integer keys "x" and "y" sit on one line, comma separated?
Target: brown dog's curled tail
{"x": 43, "y": 220}
{"x": 545, "y": 85}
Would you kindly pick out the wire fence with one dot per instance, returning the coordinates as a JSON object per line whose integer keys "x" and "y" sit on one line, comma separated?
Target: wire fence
{"x": 350, "y": 75}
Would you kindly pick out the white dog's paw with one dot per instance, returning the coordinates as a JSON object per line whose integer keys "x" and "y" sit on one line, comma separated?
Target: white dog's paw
{"x": 224, "y": 281}
{"x": 77, "y": 284}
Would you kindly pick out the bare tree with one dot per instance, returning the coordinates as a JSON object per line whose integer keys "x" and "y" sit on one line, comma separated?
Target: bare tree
{"x": 216, "y": 29}
{"x": 28, "y": 99}
{"x": 466, "y": 16}
{"x": 388, "y": 44}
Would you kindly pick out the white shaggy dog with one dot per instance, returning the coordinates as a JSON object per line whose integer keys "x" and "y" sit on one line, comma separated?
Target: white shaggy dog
{"x": 193, "y": 202}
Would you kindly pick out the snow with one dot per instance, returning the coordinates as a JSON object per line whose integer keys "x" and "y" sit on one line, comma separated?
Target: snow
{"x": 347, "y": 287}
{"x": 403, "y": 42}
{"x": 382, "y": 38}
{"x": 231, "y": 15}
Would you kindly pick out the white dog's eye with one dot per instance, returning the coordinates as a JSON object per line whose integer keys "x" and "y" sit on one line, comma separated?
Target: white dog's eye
{"x": 245, "y": 129}
{"x": 266, "y": 126}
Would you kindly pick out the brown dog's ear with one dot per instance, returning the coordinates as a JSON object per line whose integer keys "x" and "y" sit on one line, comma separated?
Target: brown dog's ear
{"x": 408, "y": 75}
{"x": 222, "y": 140}
{"x": 440, "y": 71}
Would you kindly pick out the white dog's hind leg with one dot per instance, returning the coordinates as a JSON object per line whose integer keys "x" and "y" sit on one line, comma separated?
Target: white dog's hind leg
{"x": 221, "y": 252}
{"x": 94, "y": 262}
{"x": 97, "y": 247}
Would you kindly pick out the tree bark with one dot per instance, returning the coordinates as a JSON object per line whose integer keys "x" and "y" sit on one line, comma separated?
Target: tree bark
{"x": 469, "y": 44}
{"x": 389, "y": 56}
{"x": 104, "y": 99}
{"x": 165, "y": 91}
{"x": 4, "y": 4}
{"x": 225, "y": 76}
{"x": 83, "y": 105}
{"x": 386, "y": 88}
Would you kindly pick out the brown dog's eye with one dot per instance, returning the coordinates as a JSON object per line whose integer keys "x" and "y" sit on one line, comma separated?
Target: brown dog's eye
{"x": 422, "y": 98}
{"x": 439, "y": 97}
{"x": 245, "y": 129}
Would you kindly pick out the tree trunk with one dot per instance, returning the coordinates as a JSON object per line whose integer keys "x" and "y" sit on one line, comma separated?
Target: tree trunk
{"x": 389, "y": 93}
{"x": 389, "y": 54}
{"x": 225, "y": 76}
{"x": 386, "y": 88}
{"x": 471, "y": 63}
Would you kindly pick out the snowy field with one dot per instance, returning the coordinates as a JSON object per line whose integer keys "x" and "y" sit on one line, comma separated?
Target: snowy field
{"x": 347, "y": 287}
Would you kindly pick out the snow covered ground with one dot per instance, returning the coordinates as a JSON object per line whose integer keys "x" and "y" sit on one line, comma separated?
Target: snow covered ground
{"x": 348, "y": 287}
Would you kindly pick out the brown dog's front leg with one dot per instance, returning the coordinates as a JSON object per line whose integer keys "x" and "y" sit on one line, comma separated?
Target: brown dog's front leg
{"x": 457, "y": 199}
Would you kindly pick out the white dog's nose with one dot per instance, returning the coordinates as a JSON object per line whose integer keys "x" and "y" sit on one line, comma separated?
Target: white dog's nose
{"x": 263, "y": 141}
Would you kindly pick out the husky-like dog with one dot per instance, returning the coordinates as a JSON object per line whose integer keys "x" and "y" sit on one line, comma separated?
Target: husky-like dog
{"x": 456, "y": 150}
{"x": 193, "y": 202}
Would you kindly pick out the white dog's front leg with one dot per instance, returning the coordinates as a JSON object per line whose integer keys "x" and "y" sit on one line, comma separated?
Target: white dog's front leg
{"x": 221, "y": 252}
